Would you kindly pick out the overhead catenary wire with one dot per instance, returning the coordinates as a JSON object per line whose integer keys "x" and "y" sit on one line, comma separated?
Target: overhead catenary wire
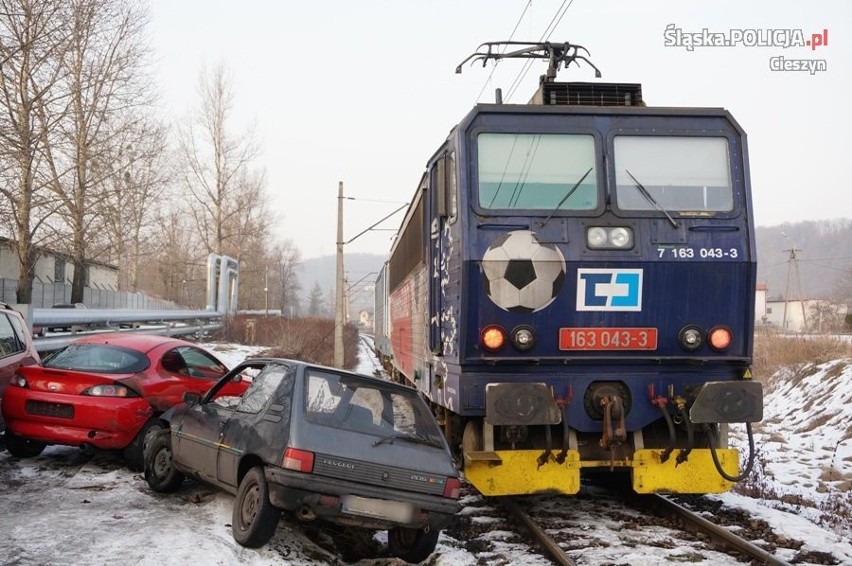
{"x": 545, "y": 36}
{"x": 511, "y": 36}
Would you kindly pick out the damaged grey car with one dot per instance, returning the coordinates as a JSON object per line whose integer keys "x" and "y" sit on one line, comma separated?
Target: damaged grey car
{"x": 319, "y": 443}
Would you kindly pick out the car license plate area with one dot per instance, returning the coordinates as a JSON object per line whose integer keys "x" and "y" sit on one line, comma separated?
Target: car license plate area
{"x": 607, "y": 339}
{"x": 397, "y": 511}
{"x": 58, "y": 410}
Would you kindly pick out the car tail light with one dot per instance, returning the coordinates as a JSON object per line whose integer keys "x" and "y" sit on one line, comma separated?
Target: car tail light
{"x": 493, "y": 337}
{"x": 19, "y": 380}
{"x": 720, "y": 338}
{"x": 298, "y": 460}
{"x": 109, "y": 390}
{"x": 452, "y": 488}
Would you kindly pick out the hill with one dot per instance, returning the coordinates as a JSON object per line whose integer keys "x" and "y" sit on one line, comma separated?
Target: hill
{"x": 822, "y": 253}
{"x": 361, "y": 270}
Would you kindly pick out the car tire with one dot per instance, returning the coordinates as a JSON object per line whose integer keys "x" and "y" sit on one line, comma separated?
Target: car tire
{"x": 134, "y": 453}
{"x": 412, "y": 545}
{"x": 160, "y": 472}
{"x": 254, "y": 518}
{"x": 21, "y": 447}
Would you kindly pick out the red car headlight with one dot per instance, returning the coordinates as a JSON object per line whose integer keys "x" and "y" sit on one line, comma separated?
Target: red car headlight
{"x": 110, "y": 390}
{"x": 19, "y": 380}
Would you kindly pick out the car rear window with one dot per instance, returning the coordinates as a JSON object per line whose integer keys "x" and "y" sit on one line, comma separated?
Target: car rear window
{"x": 365, "y": 406}
{"x": 101, "y": 358}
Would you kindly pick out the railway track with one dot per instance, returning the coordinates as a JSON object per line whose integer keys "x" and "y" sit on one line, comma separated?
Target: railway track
{"x": 367, "y": 344}
{"x": 721, "y": 535}
{"x": 563, "y": 530}
{"x": 550, "y": 546}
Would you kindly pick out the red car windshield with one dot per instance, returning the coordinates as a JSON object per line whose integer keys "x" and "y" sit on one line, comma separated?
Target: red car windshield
{"x": 100, "y": 358}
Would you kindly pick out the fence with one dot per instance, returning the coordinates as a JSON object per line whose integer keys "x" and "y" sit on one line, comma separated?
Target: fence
{"x": 45, "y": 295}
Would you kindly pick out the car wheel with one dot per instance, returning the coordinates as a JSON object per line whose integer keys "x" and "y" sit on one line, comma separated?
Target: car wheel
{"x": 134, "y": 453}
{"x": 255, "y": 518}
{"x": 412, "y": 545}
{"x": 160, "y": 472}
{"x": 21, "y": 447}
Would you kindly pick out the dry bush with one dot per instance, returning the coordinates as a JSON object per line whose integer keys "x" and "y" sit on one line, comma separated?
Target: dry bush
{"x": 774, "y": 351}
{"x": 308, "y": 339}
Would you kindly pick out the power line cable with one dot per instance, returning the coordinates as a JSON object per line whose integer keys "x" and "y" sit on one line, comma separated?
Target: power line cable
{"x": 545, "y": 36}
{"x": 494, "y": 68}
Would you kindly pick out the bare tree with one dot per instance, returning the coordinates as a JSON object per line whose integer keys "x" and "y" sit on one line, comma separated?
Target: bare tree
{"x": 175, "y": 273}
{"x": 140, "y": 173}
{"x": 843, "y": 287}
{"x": 227, "y": 196}
{"x": 825, "y": 316}
{"x": 32, "y": 44}
{"x": 287, "y": 258}
{"x": 316, "y": 301}
{"x": 105, "y": 77}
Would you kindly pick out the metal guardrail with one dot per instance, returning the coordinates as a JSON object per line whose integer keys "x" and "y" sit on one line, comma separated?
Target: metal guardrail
{"x": 48, "y": 318}
{"x": 222, "y": 292}
{"x": 80, "y": 322}
{"x": 50, "y": 343}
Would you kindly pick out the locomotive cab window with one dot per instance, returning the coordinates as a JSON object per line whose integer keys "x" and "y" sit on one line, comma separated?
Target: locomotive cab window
{"x": 544, "y": 172}
{"x": 673, "y": 173}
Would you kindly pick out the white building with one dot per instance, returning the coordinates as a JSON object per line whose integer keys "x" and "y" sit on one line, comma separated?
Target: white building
{"x": 55, "y": 267}
{"x": 807, "y": 315}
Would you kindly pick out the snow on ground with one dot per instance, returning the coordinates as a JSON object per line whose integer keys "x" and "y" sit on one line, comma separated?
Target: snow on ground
{"x": 804, "y": 460}
{"x": 65, "y": 507}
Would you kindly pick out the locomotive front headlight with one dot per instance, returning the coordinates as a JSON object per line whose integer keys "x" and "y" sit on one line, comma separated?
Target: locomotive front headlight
{"x": 596, "y": 237}
{"x": 493, "y": 338}
{"x": 621, "y": 238}
{"x": 609, "y": 238}
{"x": 720, "y": 338}
{"x": 523, "y": 338}
{"x": 690, "y": 338}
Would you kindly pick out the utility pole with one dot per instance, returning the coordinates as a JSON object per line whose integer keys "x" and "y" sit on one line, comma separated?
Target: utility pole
{"x": 794, "y": 263}
{"x": 340, "y": 301}
{"x": 338, "y": 315}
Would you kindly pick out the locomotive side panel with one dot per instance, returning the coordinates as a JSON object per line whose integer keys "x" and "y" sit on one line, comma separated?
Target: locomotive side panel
{"x": 381, "y": 318}
{"x": 409, "y": 323}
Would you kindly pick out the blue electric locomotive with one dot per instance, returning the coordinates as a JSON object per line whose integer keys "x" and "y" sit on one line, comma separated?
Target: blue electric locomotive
{"x": 573, "y": 288}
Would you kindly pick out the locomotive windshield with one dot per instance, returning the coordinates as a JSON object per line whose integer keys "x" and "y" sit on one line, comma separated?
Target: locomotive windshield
{"x": 537, "y": 171}
{"x": 686, "y": 174}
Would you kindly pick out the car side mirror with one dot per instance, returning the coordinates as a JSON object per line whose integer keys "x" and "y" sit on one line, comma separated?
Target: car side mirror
{"x": 191, "y": 398}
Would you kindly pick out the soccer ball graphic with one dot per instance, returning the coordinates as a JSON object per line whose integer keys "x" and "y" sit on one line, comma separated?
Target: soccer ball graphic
{"x": 522, "y": 275}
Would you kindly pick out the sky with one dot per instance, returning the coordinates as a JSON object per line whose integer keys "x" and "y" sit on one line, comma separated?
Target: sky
{"x": 363, "y": 92}
{"x": 59, "y": 499}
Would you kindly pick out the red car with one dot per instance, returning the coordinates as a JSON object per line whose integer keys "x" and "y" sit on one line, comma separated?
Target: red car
{"x": 106, "y": 392}
{"x": 16, "y": 346}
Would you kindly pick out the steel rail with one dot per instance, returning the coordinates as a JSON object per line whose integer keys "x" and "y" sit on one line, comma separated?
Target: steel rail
{"x": 550, "y": 546}
{"x": 720, "y": 534}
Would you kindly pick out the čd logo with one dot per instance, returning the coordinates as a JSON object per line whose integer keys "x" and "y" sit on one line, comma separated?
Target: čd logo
{"x": 609, "y": 289}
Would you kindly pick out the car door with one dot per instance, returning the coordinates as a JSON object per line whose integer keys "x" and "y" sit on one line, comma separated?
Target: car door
{"x": 197, "y": 435}
{"x": 258, "y": 425}
{"x": 16, "y": 348}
